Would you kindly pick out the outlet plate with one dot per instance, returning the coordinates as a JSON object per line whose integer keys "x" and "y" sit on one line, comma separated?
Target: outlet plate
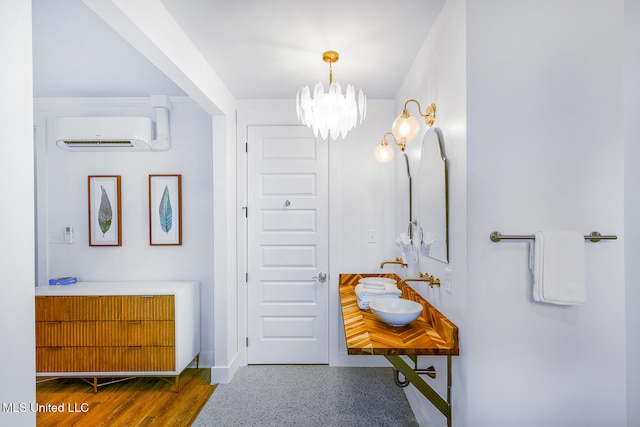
{"x": 372, "y": 236}
{"x": 448, "y": 280}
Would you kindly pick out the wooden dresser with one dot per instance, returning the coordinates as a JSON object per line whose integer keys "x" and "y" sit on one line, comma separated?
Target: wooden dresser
{"x": 117, "y": 329}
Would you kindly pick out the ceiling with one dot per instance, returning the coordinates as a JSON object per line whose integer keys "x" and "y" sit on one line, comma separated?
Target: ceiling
{"x": 260, "y": 49}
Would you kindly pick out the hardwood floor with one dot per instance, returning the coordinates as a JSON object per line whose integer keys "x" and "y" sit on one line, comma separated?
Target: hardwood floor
{"x": 135, "y": 402}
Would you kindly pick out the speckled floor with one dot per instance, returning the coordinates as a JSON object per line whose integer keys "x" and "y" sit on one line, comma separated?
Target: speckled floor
{"x": 308, "y": 395}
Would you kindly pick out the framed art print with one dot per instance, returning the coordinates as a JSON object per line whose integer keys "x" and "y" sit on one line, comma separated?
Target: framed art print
{"x": 165, "y": 210}
{"x": 105, "y": 225}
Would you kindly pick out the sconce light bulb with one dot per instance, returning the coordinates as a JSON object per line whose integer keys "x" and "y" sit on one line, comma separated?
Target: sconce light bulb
{"x": 405, "y": 127}
{"x": 384, "y": 153}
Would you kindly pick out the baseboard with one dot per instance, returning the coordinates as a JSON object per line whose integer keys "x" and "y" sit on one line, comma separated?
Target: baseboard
{"x": 224, "y": 374}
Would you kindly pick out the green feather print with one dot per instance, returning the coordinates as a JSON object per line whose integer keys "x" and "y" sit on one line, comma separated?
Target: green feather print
{"x": 105, "y": 215}
{"x": 165, "y": 212}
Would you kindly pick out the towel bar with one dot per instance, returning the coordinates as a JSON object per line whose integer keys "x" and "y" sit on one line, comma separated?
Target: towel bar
{"x": 594, "y": 237}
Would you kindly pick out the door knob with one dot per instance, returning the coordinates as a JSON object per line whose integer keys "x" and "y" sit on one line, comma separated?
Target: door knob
{"x": 322, "y": 277}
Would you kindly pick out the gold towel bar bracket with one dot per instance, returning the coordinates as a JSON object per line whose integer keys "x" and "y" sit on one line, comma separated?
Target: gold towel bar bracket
{"x": 594, "y": 236}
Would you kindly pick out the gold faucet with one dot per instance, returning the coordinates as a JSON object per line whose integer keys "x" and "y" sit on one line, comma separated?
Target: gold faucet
{"x": 397, "y": 261}
{"x": 424, "y": 277}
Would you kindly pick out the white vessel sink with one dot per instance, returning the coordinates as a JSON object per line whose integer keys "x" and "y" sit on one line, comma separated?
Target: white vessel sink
{"x": 395, "y": 311}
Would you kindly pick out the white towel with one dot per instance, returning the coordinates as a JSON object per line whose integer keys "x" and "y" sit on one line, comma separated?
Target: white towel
{"x": 389, "y": 289}
{"x": 373, "y": 284}
{"x": 559, "y": 266}
{"x": 427, "y": 240}
{"x": 406, "y": 249}
{"x": 378, "y": 283}
{"x": 365, "y": 296}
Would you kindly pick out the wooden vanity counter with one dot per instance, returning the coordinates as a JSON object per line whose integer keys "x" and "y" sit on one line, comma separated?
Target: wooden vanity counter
{"x": 430, "y": 334}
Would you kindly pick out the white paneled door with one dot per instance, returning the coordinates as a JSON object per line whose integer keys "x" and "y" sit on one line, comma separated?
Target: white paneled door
{"x": 288, "y": 288}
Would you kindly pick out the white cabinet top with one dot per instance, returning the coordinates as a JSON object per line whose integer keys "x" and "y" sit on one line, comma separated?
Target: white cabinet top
{"x": 172, "y": 287}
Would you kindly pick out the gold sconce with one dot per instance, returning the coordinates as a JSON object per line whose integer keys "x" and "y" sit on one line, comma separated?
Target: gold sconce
{"x": 405, "y": 127}
{"x": 385, "y": 152}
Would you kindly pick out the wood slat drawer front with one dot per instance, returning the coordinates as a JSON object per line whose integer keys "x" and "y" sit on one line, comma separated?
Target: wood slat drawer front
{"x": 71, "y": 334}
{"x": 158, "y": 333}
{"x": 65, "y": 359}
{"x": 67, "y": 308}
{"x": 121, "y": 359}
{"x": 137, "y": 307}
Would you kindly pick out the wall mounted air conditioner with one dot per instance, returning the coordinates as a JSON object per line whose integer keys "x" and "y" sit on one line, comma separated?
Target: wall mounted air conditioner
{"x": 115, "y": 133}
{"x": 104, "y": 133}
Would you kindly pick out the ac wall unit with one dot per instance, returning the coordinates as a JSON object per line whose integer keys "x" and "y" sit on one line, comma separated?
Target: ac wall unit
{"x": 104, "y": 133}
{"x": 117, "y": 133}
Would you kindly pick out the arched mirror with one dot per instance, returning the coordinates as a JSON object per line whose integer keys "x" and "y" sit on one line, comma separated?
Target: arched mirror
{"x": 433, "y": 197}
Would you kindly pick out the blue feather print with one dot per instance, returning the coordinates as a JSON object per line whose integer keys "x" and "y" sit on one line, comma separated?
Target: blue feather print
{"x": 166, "y": 215}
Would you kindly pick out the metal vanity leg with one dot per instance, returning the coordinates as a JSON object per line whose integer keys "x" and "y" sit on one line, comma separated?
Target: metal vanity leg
{"x": 411, "y": 376}
{"x": 449, "y": 381}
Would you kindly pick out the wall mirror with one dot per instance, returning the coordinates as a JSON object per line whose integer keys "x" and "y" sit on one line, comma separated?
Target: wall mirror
{"x": 433, "y": 196}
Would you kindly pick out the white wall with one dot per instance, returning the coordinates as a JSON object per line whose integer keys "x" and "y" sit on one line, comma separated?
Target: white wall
{"x": 535, "y": 159}
{"x": 438, "y": 75}
{"x": 362, "y": 198}
{"x": 632, "y": 204}
{"x": 545, "y": 150}
{"x": 17, "y": 330}
{"x": 62, "y": 201}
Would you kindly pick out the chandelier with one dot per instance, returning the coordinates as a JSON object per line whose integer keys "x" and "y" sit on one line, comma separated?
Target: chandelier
{"x": 330, "y": 113}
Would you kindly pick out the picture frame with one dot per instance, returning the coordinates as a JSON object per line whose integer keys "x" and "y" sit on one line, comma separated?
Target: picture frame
{"x": 165, "y": 210}
{"x": 104, "y": 210}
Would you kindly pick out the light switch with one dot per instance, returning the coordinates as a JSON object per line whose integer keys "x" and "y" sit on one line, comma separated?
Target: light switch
{"x": 448, "y": 280}
{"x": 372, "y": 236}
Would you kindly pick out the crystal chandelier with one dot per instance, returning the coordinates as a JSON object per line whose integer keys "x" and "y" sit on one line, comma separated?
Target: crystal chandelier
{"x": 331, "y": 113}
